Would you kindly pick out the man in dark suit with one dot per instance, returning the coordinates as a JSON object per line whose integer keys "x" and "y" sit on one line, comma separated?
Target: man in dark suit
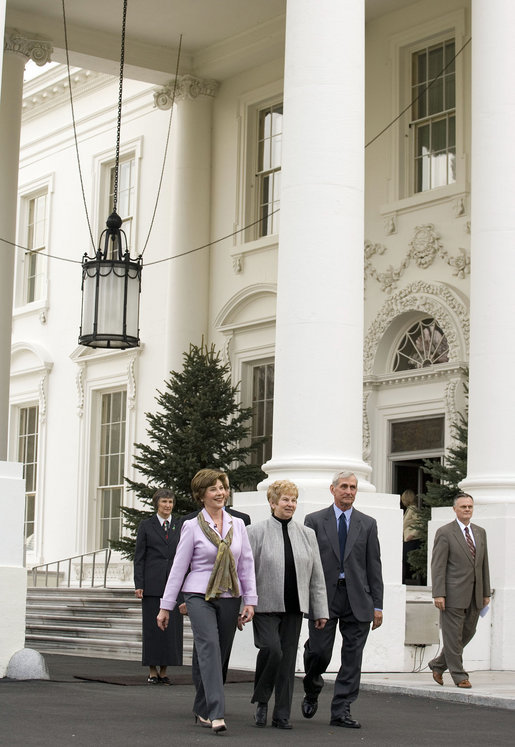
{"x": 461, "y": 587}
{"x": 351, "y": 559}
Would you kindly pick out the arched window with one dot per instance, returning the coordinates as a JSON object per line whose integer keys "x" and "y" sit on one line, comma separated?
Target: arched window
{"x": 423, "y": 345}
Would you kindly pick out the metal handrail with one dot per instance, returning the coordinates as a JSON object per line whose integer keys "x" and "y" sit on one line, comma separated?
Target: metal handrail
{"x": 44, "y": 567}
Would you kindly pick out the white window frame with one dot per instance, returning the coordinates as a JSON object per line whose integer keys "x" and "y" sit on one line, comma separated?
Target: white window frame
{"x": 100, "y": 487}
{"x": 402, "y": 46}
{"x": 27, "y": 193}
{"x": 248, "y": 199}
{"x": 99, "y": 372}
{"x": 29, "y": 387}
{"x": 102, "y": 164}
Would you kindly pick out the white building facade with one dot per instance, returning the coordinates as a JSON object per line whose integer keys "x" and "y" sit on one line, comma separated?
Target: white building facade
{"x": 343, "y": 171}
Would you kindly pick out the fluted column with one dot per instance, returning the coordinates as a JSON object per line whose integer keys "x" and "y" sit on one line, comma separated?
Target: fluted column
{"x": 319, "y": 342}
{"x": 18, "y": 49}
{"x": 491, "y": 445}
{"x": 187, "y": 306}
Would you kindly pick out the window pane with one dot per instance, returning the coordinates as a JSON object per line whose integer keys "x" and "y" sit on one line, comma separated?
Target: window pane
{"x": 435, "y": 61}
{"x": 435, "y": 97}
{"x": 111, "y": 464}
{"x": 417, "y": 435}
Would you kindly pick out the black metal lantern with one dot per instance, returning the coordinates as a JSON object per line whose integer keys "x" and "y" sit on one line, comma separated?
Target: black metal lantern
{"x": 111, "y": 281}
{"x": 111, "y": 285}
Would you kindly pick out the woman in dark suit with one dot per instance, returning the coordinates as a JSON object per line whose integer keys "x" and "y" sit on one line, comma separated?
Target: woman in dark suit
{"x": 156, "y": 542}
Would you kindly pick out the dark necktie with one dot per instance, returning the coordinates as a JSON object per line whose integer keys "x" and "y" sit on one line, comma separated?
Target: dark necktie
{"x": 470, "y": 543}
{"x": 342, "y": 536}
{"x": 166, "y": 524}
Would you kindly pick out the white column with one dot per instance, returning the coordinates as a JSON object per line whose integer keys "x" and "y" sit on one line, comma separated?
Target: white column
{"x": 13, "y": 576}
{"x": 319, "y": 344}
{"x": 187, "y": 306}
{"x": 17, "y": 50}
{"x": 491, "y": 444}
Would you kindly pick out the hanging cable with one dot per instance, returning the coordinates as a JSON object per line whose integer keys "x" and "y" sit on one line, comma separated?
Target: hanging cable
{"x": 166, "y": 146}
{"x": 119, "y": 113}
{"x": 75, "y": 129}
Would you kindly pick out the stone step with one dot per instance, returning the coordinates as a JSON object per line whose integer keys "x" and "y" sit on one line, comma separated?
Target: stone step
{"x": 34, "y": 618}
{"x": 80, "y": 631}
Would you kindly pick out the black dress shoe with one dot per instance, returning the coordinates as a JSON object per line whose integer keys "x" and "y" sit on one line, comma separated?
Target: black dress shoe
{"x": 309, "y": 707}
{"x": 281, "y": 723}
{"x": 346, "y": 721}
{"x": 261, "y": 714}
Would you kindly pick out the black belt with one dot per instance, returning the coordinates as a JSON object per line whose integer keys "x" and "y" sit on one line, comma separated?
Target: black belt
{"x": 342, "y": 582}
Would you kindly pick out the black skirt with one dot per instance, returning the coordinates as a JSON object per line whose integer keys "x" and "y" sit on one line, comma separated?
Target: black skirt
{"x": 160, "y": 647}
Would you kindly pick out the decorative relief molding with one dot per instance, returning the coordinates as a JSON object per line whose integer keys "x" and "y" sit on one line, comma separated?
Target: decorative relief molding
{"x": 390, "y": 224}
{"x": 79, "y": 380}
{"x": 237, "y": 263}
{"x": 131, "y": 383}
{"x": 424, "y": 247}
{"x": 42, "y": 398}
{"x": 459, "y": 206}
{"x": 226, "y": 350}
{"x": 451, "y": 409}
{"x": 366, "y": 427}
{"x": 37, "y": 50}
{"x": 435, "y": 300}
{"x": 188, "y": 88}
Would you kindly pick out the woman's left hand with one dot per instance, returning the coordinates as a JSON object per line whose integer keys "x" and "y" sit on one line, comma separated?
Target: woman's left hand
{"x": 245, "y": 616}
{"x": 320, "y": 623}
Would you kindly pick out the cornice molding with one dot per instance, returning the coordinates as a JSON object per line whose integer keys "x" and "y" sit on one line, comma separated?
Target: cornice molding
{"x": 42, "y": 95}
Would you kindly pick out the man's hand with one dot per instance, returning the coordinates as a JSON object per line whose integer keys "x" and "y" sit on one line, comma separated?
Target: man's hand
{"x": 183, "y": 609}
{"x": 440, "y": 603}
{"x": 320, "y": 623}
{"x": 163, "y": 619}
{"x": 378, "y": 619}
{"x": 138, "y": 593}
{"x": 486, "y": 601}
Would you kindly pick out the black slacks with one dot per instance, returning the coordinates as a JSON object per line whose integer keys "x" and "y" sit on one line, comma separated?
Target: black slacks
{"x": 276, "y": 635}
{"x": 319, "y": 647}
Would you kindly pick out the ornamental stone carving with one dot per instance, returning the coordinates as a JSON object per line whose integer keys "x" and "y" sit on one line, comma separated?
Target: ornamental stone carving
{"x": 37, "y": 50}
{"x": 187, "y": 88}
{"x": 425, "y": 246}
{"x": 433, "y": 299}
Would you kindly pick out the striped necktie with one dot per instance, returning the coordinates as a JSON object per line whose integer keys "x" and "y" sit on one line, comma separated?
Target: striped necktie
{"x": 470, "y": 543}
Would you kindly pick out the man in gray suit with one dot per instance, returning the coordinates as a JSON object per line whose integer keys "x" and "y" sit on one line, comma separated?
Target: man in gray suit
{"x": 351, "y": 559}
{"x": 461, "y": 587}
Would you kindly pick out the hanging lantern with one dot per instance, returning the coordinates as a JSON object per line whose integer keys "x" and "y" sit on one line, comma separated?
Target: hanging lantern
{"x": 111, "y": 285}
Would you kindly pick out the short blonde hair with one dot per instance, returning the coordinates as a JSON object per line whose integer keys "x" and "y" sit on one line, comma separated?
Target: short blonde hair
{"x": 279, "y": 488}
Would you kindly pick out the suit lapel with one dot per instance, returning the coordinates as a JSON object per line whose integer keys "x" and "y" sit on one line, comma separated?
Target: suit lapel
{"x": 354, "y": 530}
{"x": 158, "y": 529}
{"x": 331, "y": 531}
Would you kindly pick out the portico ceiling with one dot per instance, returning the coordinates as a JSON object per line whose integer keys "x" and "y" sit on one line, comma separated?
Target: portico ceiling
{"x": 219, "y": 36}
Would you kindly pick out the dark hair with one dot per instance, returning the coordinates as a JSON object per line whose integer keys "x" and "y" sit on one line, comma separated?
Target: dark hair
{"x": 461, "y": 495}
{"x": 162, "y": 493}
{"x": 204, "y": 479}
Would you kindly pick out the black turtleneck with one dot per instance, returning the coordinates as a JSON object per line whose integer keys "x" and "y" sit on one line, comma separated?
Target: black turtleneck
{"x": 291, "y": 594}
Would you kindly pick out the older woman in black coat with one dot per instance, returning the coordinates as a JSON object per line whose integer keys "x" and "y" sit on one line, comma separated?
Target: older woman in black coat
{"x": 156, "y": 542}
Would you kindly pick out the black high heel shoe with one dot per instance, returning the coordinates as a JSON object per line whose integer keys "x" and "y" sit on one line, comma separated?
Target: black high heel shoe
{"x": 202, "y": 721}
{"x": 218, "y": 726}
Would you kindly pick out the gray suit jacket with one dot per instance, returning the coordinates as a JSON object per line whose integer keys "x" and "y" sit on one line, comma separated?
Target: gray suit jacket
{"x": 361, "y": 564}
{"x": 456, "y": 575}
{"x": 266, "y": 540}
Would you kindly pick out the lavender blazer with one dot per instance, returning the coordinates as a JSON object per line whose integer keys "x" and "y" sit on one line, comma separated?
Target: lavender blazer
{"x": 195, "y": 558}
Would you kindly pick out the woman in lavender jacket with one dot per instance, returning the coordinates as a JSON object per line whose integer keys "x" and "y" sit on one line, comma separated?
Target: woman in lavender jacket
{"x": 214, "y": 568}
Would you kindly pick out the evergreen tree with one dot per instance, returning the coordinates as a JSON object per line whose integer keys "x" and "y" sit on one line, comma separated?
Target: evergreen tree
{"x": 198, "y": 424}
{"x": 442, "y": 488}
